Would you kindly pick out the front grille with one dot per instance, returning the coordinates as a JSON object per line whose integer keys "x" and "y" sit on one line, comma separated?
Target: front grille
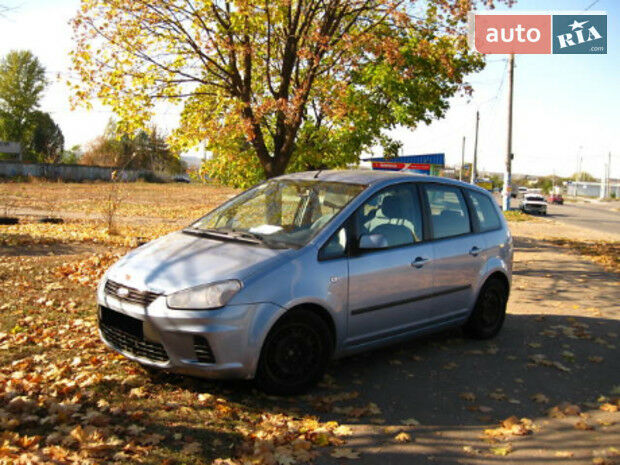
{"x": 134, "y": 296}
{"x": 125, "y": 333}
{"x": 203, "y": 351}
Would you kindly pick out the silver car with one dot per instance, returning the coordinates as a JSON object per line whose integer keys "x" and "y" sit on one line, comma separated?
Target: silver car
{"x": 308, "y": 267}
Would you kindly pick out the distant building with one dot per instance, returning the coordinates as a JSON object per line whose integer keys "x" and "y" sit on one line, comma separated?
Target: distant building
{"x": 590, "y": 189}
{"x": 11, "y": 148}
{"x": 430, "y": 163}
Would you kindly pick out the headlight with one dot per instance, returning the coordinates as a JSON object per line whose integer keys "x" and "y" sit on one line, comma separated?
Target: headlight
{"x": 204, "y": 297}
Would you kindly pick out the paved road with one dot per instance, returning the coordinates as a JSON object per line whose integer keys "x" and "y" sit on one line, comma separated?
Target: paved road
{"x": 599, "y": 217}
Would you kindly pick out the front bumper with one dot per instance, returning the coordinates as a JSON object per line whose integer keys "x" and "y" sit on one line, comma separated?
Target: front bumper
{"x": 534, "y": 208}
{"x": 167, "y": 339}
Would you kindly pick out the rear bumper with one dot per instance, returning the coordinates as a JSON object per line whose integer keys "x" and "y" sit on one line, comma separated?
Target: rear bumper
{"x": 166, "y": 339}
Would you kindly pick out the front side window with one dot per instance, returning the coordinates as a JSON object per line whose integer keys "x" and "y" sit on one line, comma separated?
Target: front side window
{"x": 485, "y": 211}
{"x": 394, "y": 213}
{"x": 449, "y": 215}
{"x": 283, "y": 212}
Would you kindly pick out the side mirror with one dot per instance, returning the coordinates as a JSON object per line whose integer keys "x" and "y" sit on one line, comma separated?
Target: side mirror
{"x": 373, "y": 241}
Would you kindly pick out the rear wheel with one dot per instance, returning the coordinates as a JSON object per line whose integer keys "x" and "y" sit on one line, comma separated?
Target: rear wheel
{"x": 295, "y": 354}
{"x": 490, "y": 311}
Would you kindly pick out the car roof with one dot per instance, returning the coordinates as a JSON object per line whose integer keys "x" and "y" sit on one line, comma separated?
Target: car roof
{"x": 369, "y": 177}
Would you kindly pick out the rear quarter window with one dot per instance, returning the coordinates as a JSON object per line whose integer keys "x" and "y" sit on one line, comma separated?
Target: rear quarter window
{"x": 484, "y": 210}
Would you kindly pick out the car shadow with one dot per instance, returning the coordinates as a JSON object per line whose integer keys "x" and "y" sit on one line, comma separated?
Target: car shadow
{"x": 453, "y": 386}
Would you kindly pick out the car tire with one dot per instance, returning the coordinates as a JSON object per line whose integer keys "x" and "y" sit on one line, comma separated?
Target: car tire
{"x": 295, "y": 354}
{"x": 489, "y": 313}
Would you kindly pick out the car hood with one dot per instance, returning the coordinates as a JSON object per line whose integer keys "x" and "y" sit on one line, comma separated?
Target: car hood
{"x": 535, "y": 202}
{"x": 179, "y": 261}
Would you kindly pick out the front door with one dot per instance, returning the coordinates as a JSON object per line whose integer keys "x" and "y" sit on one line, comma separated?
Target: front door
{"x": 389, "y": 286}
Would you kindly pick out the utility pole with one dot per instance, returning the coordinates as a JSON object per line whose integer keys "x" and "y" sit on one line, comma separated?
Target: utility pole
{"x": 462, "y": 160}
{"x": 609, "y": 175}
{"x": 474, "y": 166}
{"x": 605, "y": 187}
{"x": 508, "y": 170}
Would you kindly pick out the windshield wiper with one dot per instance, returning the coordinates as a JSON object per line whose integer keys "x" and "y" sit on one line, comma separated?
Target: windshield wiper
{"x": 235, "y": 234}
{"x": 220, "y": 234}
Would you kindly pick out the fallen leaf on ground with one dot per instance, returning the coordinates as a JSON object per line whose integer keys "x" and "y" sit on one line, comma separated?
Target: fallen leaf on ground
{"x": 502, "y": 451}
{"x": 402, "y": 437}
{"x": 608, "y": 407}
{"x": 583, "y": 426}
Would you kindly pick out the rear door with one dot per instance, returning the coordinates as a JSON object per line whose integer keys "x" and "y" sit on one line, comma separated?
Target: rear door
{"x": 456, "y": 248}
{"x": 487, "y": 224}
{"x": 388, "y": 286}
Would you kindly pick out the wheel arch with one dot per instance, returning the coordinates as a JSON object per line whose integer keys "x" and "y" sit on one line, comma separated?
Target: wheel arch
{"x": 318, "y": 310}
{"x": 501, "y": 276}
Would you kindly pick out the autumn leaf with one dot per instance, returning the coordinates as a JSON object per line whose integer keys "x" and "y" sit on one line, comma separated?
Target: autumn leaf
{"x": 583, "y": 426}
{"x": 501, "y": 450}
{"x": 609, "y": 407}
{"x": 343, "y": 430}
{"x": 402, "y": 437}
{"x": 410, "y": 422}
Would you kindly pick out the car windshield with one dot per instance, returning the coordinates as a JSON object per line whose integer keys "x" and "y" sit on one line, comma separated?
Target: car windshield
{"x": 278, "y": 213}
{"x": 535, "y": 198}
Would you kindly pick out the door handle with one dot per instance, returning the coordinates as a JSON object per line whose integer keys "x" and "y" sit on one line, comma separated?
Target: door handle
{"x": 419, "y": 262}
{"x": 474, "y": 251}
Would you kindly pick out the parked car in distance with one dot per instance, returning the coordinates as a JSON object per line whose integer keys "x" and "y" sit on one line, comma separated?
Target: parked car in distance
{"x": 534, "y": 203}
{"x": 307, "y": 267}
{"x": 556, "y": 199}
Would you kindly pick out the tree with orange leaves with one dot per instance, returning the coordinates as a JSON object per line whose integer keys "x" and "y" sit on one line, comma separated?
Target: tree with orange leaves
{"x": 300, "y": 83}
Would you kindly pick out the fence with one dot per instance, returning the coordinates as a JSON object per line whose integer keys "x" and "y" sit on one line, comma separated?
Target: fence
{"x": 77, "y": 173}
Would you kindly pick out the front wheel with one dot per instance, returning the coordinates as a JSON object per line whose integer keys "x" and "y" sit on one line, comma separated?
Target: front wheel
{"x": 295, "y": 354}
{"x": 490, "y": 311}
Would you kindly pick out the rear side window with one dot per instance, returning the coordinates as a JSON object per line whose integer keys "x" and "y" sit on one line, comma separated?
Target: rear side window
{"x": 485, "y": 211}
{"x": 449, "y": 214}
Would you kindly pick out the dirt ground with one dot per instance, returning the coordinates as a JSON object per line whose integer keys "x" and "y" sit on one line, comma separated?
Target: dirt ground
{"x": 545, "y": 391}
{"x": 555, "y": 364}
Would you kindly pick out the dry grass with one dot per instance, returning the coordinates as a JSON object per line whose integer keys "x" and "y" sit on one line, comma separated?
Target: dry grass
{"x": 605, "y": 253}
{"x": 518, "y": 216}
{"x": 169, "y": 201}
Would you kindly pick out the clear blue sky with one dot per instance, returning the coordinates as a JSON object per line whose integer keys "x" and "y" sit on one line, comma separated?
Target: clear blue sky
{"x": 566, "y": 106}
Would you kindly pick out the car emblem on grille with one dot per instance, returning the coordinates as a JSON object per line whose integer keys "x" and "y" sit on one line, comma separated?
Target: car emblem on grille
{"x": 122, "y": 292}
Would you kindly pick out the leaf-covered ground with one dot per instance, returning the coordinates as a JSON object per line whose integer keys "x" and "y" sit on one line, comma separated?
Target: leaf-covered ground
{"x": 545, "y": 391}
